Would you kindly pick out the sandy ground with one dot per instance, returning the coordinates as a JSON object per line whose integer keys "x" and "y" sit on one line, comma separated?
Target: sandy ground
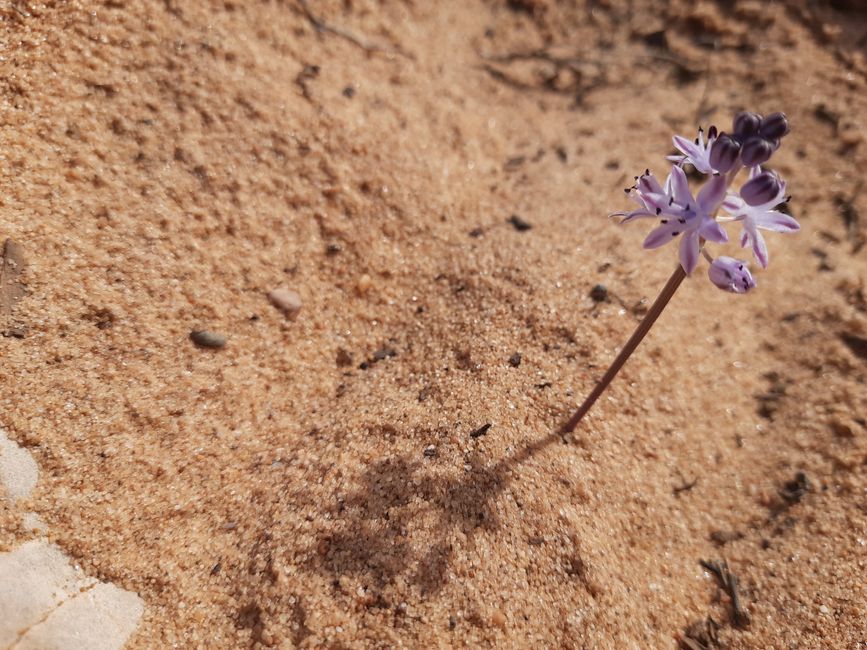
{"x": 164, "y": 165}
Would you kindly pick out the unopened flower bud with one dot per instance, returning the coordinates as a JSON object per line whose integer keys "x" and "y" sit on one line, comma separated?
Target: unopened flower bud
{"x": 756, "y": 151}
{"x": 746, "y": 124}
{"x": 724, "y": 153}
{"x": 763, "y": 188}
{"x": 731, "y": 275}
{"x": 774, "y": 126}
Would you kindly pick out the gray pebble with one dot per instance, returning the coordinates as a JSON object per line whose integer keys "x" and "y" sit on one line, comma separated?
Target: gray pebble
{"x": 206, "y": 339}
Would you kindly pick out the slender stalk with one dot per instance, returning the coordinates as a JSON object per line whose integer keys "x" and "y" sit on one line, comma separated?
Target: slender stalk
{"x": 636, "y": 338}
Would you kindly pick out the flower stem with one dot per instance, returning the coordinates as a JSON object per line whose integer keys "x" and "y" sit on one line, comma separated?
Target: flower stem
{"x": 636, "y": 338}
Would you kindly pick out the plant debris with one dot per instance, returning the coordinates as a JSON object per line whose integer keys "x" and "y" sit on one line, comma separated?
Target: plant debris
{"x": 729, "y": 583}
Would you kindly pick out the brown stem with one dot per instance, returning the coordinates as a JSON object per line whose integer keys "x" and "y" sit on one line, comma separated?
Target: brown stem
{"x": 639, "y": 333}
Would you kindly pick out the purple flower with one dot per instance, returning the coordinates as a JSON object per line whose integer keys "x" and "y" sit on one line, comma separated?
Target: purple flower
{"x": 730, "y": 274}
{"x": 758, "y": 216}
{"x": 695, "y": 152}
{"x": 681, "y": 213}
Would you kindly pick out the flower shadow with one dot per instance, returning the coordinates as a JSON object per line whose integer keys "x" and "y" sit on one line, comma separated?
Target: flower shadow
{"x": 401, "y": 520}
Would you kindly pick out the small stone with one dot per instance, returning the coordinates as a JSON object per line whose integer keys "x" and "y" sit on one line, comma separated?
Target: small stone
{"x": 481, "y": 431}
{"x": 344, "y": 358}
{"x": 842, "y": 428}
{"x": 519, "y": 223}
{"x": 206, "y": 339}
{"x": 515, "y": 360}
{"x": 430, "y": 451}
{"x": 498, "y": 618}
{"x": 287, "y": 301}
{"x": 599, "y": 293}
{"x": 363, "y": 285}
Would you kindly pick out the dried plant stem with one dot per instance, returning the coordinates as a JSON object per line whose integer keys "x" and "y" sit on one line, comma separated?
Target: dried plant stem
{"x": 639, "y": 333}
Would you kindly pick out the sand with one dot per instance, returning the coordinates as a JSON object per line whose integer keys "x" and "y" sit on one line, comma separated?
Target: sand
{"x": 314, "y": 482}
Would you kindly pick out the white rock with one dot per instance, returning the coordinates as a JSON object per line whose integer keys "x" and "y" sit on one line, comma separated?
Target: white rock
{"x": 18, "y": 470}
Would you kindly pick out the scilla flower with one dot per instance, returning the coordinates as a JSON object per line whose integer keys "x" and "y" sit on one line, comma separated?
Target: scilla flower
{"x": 694, "y": 218}
{"x": 730, "y": 274}
{"x": 754, "y": 207}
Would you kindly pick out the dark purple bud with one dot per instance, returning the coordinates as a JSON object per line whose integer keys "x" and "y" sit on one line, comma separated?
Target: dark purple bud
{"x": 724, "y": 153}
{"x": 762, "y": 189}
{"x": 774, "y": 126}
{"x": 711, "y": 132}
{"x": 756, "y": 151}
{"x": 746, "y": 124}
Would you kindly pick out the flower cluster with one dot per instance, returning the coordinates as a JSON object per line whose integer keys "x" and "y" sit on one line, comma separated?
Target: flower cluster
{"x": 696, "y": 218}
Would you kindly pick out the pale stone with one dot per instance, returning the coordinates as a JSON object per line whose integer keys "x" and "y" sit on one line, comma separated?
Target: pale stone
{"x": 101, "y": 618}
{"x": 18, "y": 470}
{"x": 287, "y": 301}
{"x": 34, "y": 579}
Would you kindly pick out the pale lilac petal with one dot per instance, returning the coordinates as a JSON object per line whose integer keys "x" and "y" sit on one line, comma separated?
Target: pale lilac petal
{"x": 760, "y": 249}
{"x": 745, "y": 238}
{"x": 732, "y": 204}
{"x": 647, "y": 184}
{"x": 712, "y": 194}
{"x": 689, "y": 251}
{"x": 680, "y": 186}
{"x": 687, "y": 147}
{"x": 776, "y": 221}
{"x": 659, "y": 236}
{"x": 713, "y": 231}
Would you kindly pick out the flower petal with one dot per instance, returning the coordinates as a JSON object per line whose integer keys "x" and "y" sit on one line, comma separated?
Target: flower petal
{"x": 689, "y": 251}
{"x": 776, "y": 221}
{"x": 680, "y": 186}
{"x": 686, "y": 147}
{"x": 712, "y": 194}
{"x": 760, "y": 249}
{"x": 713, "y": 231}
{"x": 660, "y": 235}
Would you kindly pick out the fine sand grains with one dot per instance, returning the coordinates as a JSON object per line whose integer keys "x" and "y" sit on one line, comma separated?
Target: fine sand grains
{"x": 380, "y": 467}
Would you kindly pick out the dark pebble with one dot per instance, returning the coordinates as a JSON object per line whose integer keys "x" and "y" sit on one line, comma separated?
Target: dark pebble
{"x": 482, "y": 430}
{"x": 206, "y": 339}
{"x": 515, "y": 360}
{"x": 344, "y": 358}
{"x": 349, "y": 92}
{"x": 599, "y": 293}
{"x": 384, "y": 353}
{"x": 519, "y": 224}
{"x": 476, "y": 232}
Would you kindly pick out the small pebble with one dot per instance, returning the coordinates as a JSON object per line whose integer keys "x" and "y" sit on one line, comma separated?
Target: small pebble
{"x": 498, "y": 618}
{"x": 519, "y": 224}
{"x": 482, "y": 430}
{"x": 363, "y": 285}
{"x": 599, "y": 292}
{"x": 515, "y": 360}
{"x": 344, "y": 358}
{"x": 430, "y": 451}
{"x": 206, "y": 339}
{"x": 287, "y": 301}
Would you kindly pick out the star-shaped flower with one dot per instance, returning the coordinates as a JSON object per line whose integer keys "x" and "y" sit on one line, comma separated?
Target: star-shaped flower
{"x": 760, "y": 190}
{"x": 681, "y": 213}
{"x": 696, "y": 152}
